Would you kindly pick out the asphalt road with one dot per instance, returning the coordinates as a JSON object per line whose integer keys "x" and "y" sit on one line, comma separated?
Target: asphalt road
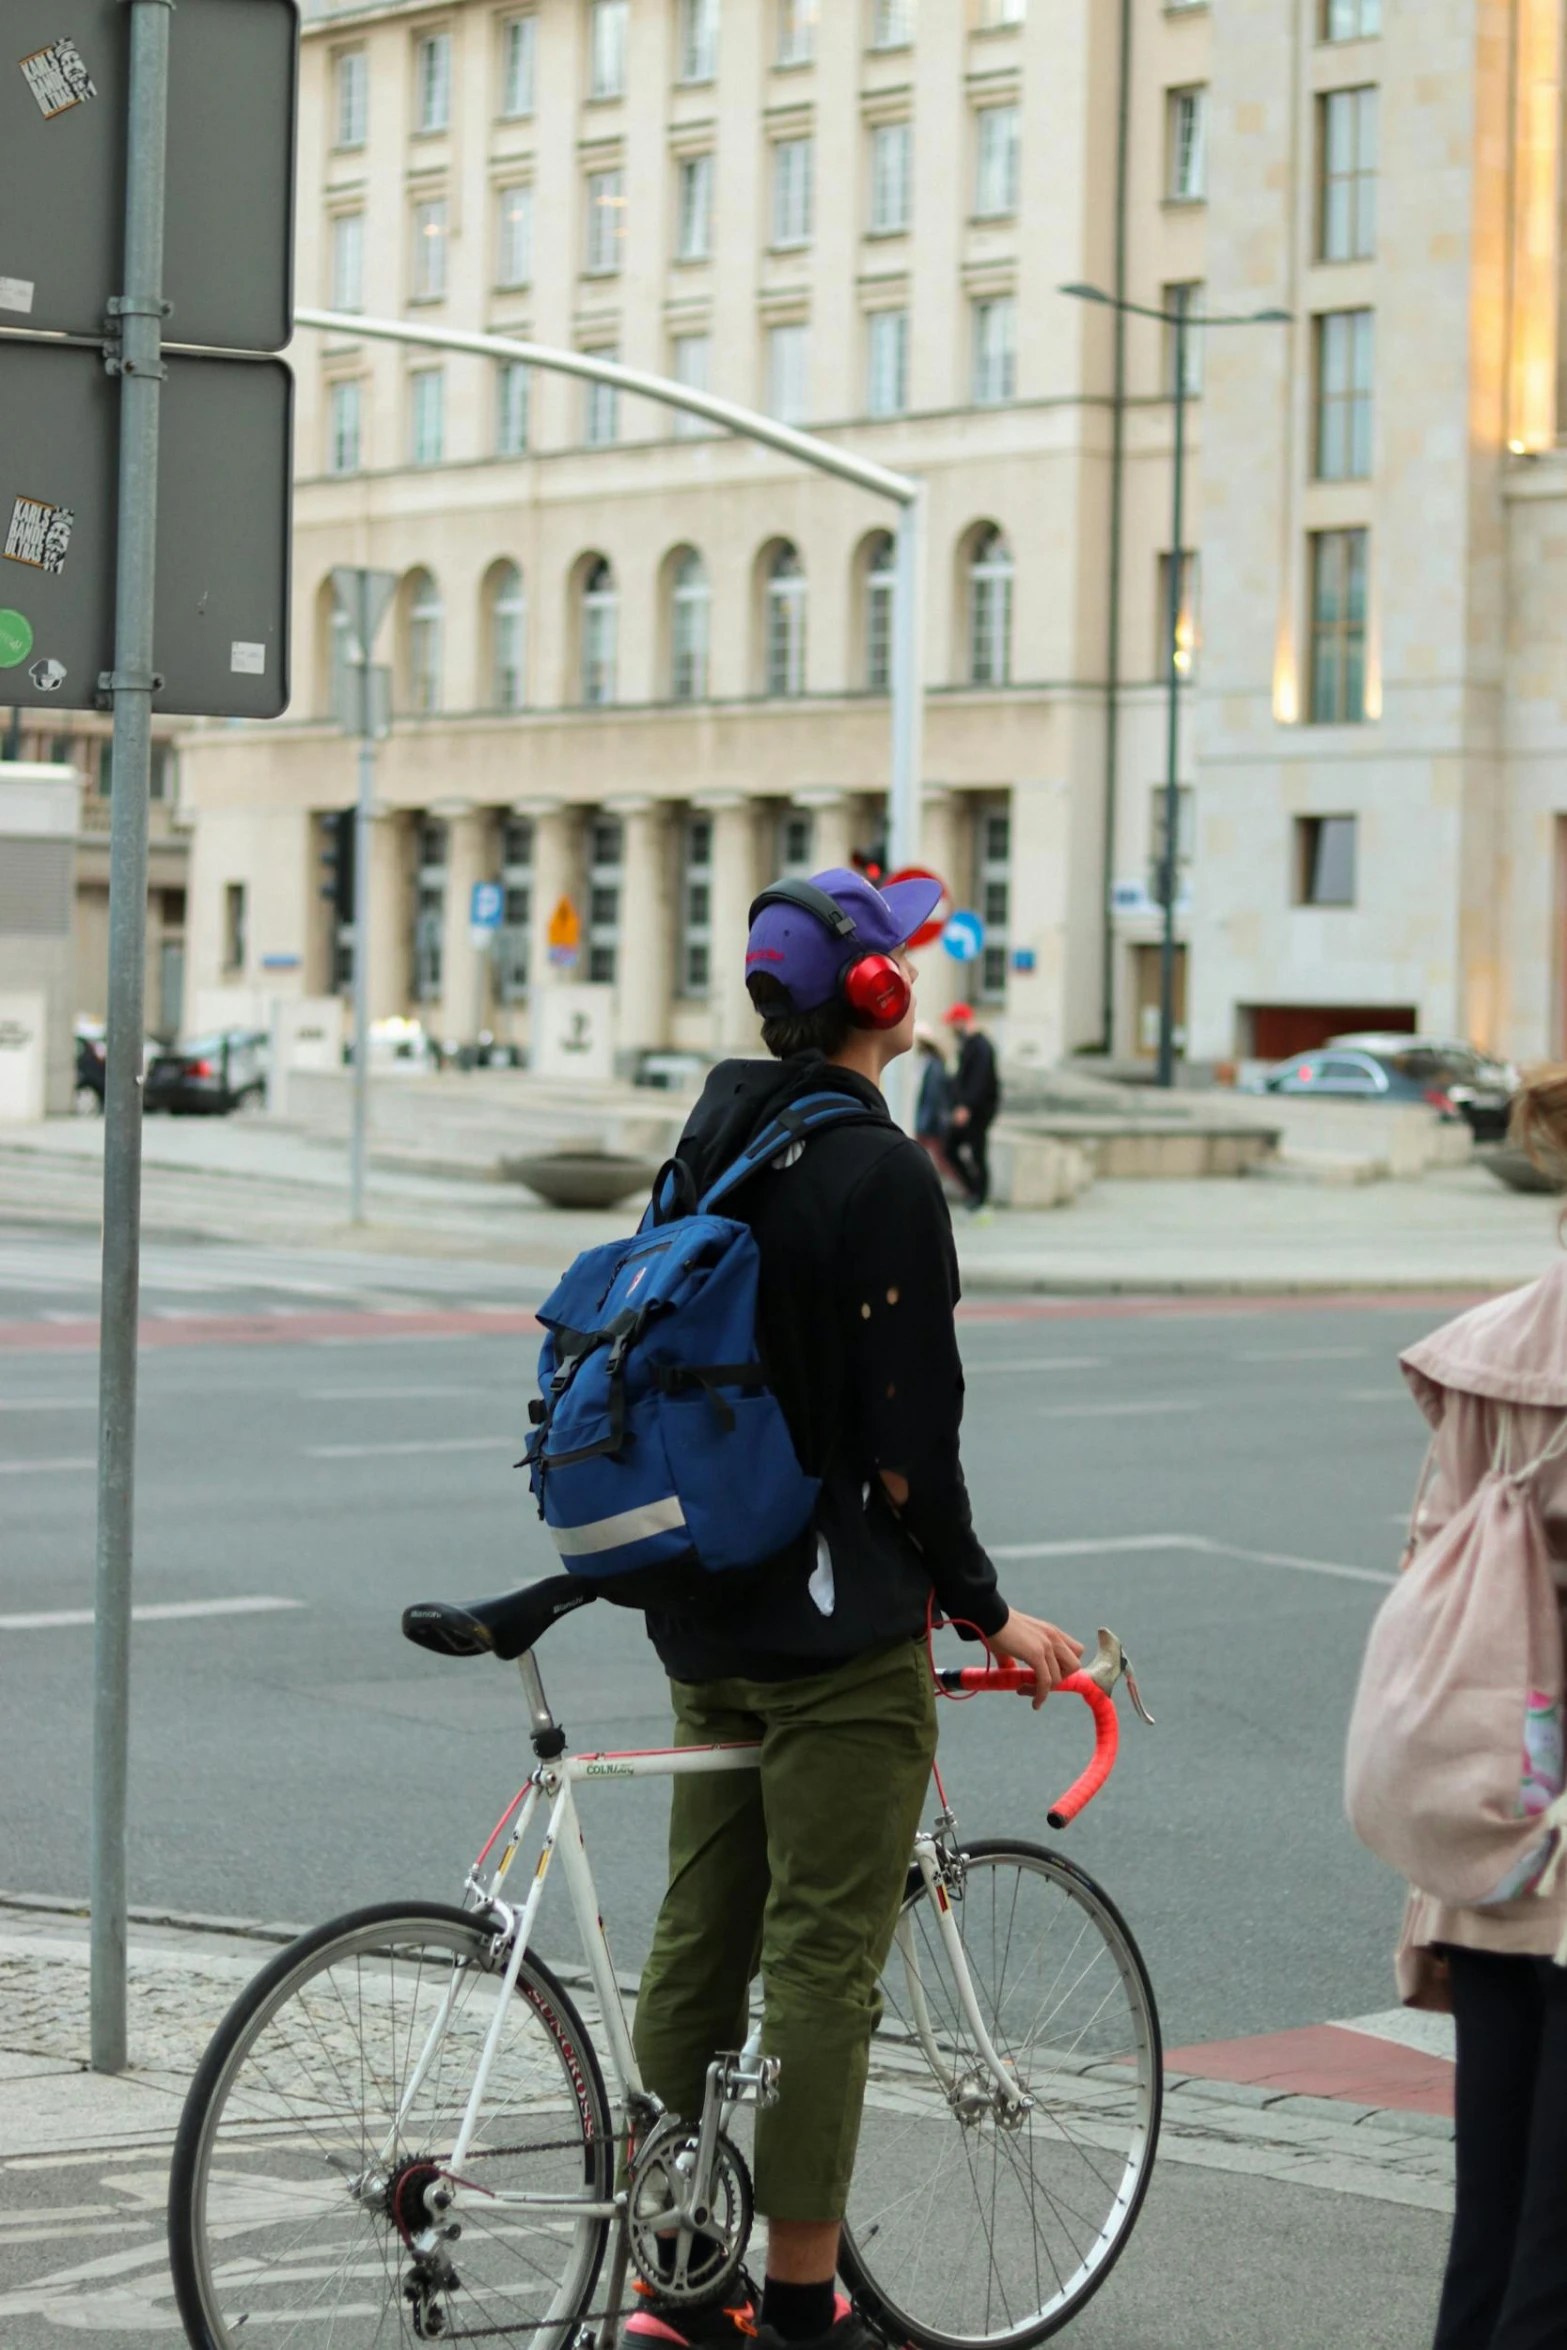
{"x": 1222, "y": 1483}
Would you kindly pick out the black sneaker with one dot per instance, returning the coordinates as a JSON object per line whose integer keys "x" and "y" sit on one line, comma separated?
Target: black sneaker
{"x": 848, "y": 2331}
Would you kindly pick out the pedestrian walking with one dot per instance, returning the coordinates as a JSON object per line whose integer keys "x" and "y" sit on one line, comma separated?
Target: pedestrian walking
{"x": 1455, "y": 1772}
{"x": 976, "y": 1091}
{"x": 933, "y": 1104}
{"x": 797, "y": 1871}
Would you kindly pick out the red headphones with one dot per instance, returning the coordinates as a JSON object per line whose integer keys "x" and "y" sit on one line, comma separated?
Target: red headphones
{"x": 871, "y": 988}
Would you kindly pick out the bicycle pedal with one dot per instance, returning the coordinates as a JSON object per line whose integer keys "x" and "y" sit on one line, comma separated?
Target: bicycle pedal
{"x": 750, "y": 2081}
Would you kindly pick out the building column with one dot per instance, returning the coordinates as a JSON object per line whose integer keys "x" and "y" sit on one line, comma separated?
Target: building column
{"x": 734, "y": 886}
{"x": 391, "y": 916}
{"x": 833, "y": 826}
{"x": 464, "y": 979}
{"x": 646, "y": 960}
{"x": 554, "y": 877}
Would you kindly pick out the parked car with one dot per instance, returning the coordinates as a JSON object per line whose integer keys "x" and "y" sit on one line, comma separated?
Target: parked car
{"x": 1452, "y": 1080}
{"x": 211, "y": 1075}
{"x": 91, "y": 1057}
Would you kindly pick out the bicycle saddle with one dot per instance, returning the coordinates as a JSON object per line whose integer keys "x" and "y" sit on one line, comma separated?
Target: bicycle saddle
{"x": 506, "y": 1627}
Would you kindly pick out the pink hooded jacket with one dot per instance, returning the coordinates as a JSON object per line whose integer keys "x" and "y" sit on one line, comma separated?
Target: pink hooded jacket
{"x": 1511, "y": 1352}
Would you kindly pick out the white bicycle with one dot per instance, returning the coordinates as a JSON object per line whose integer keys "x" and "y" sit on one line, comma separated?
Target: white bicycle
{"x": 401, "y": 2130}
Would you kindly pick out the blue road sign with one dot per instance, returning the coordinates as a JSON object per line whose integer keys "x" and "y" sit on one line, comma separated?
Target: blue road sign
{"x": 486, "y": 906}
{"x": 964, "y": 938}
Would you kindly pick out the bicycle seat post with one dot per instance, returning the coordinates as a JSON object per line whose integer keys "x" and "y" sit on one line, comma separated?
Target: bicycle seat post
{"x": 549, "y": 1739}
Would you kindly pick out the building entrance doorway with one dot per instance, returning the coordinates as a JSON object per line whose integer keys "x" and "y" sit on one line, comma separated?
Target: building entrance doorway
{"x": 1145, "y": 974}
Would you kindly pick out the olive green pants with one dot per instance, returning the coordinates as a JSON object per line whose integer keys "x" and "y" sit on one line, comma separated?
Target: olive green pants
{"x": 796, "y": 1869}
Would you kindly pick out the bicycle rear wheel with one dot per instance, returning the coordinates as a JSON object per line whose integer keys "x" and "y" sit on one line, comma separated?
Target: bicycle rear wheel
{"x": 966, "y": 2226}
{"x": 309, "y": 2138}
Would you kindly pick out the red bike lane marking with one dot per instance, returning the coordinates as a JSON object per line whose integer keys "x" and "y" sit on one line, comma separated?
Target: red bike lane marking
{"x": 1325, "y": 2060}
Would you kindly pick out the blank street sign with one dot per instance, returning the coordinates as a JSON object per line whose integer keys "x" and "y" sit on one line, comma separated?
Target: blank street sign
{"x": 221, "y": 615}
{"x": 228, "y": 239}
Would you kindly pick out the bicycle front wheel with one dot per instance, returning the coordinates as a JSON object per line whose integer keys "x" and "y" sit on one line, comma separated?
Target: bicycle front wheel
{"x": 328, "y": 2106}
{"x": 971, "y": 2221}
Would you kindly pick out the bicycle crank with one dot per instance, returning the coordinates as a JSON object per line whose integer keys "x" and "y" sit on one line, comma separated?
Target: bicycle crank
{"x": 688, "y": 2221}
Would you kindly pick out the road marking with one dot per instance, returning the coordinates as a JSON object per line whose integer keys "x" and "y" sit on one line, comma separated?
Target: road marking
{"x": 1114, "y": 1411}
{"x": 1303, "y": 1354}
{"x": 1038, "y": 1363}
{"x": 43, "y": 1468}
{"x": 161, "y": 1612}
{"x": 1199, "y": 1545}
{"x": 382, "y": 1394}
{"x": 1376, "y": 1395}
{"x": 360, "y": 1452}
{"x": 48, "y": 1403}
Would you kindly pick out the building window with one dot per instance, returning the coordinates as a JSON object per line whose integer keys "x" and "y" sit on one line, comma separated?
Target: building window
{"x": 1193, "y": 291}
{"x": 606, "y": 851}
{"x": 351, "y": 111}
{"x": 343, "y": 408}
{"x": 892, "y": 165}
{"x": 433, "y": 82}
{"x": 1351, "y": 20}
{"x": 797, "y": 844}
{"x": 234, "y": 926}
{"x": 427, "y": 414}
{"x": 1187, "y": 181}
{"x": 1347, "y": 171}
{"x": 698, "y": 40}
{"x": 1338, "y": 626}
{"x": 788, "y": 372}
{"x": 892, "y": 23}
{"x": 690, "y": 357}
{"x": 508, "y": 639}
{"x": 607, "y": 49}
{"x": 990, "y": 610}
{"x": 424, "y": 645}
{"x": 429, "y": 256}
{"x": 514, "y": 945}
{"x": 690, "y": 603}
{"x": 1324, "y": 861}
{"x": 519, "y": 65}
{"x": 694, "y": 209}
{"x": 785, "y": 664}
{"x": 793, "y": 161}
{"x": 512, "y": 389}
{"x": 995, "y": 350}
{"x": 514, "y": 235}
{"x": 1344, "y": 362}
{"x": 600, "y": 634}
{"x": 1185, "y": 839}
{"x": 606, "y": 222}
{"x": 1188, "y": 620}
{"x": 601, "y": 405}
{"x": 993, "y": 14}
{"x": 996, "y": 153}
{"x": 796, "y": 31}
{"x": 696, "y": 906}
{"x": 887, "y": 362}
{"x": 881, "y": 587}
{"x": 429, "y": 911}
{"x": 993, "y": 880}
{"x": 348, "y": 261}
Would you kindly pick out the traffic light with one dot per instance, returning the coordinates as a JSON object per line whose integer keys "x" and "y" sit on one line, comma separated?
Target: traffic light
{"x": 337, "y": 863}
{"x": 872, "y": 862}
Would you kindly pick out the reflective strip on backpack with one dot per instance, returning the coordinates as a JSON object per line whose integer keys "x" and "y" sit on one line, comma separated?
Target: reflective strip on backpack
{"x": 627, "y": 1526}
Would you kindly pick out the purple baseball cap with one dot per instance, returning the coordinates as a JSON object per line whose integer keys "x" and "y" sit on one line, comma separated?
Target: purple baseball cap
{"x": 798, "y": 948}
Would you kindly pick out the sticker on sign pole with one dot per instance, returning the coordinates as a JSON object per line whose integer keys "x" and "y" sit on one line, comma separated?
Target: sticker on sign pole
{"x": 39, "y": 534}
{"x": 48, "y": 676}
{"x": 58, "y": 78}
{"x": 16, "y": 293}
{"x": 16, "y": 638}
{"x": 964, "y": 938}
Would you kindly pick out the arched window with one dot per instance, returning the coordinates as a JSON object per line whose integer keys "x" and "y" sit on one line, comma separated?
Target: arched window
{"x": 785, "y": 622}
{"x": 689, "y": 607}
{"x": 880, "y": 579}
{"x": 600, "y": 633}
{"x": 990, "y": 610}
{"x": 424, "y": 644}
{"x": 508, "y": 638}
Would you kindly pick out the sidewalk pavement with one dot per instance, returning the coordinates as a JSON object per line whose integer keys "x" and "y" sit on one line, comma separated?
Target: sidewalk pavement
{"x": 1456, "y": 1229}
{"x": 1256, "y": 2188}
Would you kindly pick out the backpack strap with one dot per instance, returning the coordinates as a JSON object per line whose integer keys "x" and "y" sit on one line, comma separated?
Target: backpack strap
{"x": 790, "y": 1124}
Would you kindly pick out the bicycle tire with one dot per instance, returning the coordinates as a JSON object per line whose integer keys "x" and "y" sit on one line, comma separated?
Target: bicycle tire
{"x": 290, "y": 2126}
{"x": 908, "y": 2251}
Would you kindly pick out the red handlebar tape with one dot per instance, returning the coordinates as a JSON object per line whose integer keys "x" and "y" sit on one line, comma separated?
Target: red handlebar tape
{"x": 1019, "y": 1680}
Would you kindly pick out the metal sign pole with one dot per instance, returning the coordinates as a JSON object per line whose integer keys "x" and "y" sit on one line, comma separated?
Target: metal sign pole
{"x": 139, "y": 311}
{"x": 362, "y": 820}
{"x": 1170, "y": 865}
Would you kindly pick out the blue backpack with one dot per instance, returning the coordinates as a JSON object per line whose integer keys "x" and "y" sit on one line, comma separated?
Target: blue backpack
{"x": 658, "y": 1456}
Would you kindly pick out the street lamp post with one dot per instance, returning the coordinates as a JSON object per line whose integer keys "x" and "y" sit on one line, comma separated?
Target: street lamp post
{"x": 1182, "y": 319}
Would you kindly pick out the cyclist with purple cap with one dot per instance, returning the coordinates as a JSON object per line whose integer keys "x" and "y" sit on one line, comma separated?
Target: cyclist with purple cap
{"x": 797, "y": 1870}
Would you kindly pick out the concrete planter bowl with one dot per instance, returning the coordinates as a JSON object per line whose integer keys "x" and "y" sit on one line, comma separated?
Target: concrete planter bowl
{"x": 581, "y": 1179}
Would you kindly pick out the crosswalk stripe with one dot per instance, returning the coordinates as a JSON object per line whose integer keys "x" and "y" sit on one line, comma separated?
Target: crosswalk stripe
{"x": 159, "y": 1612}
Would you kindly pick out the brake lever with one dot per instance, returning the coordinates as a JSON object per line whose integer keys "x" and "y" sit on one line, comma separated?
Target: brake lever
{"x": 1111, "y": 1664}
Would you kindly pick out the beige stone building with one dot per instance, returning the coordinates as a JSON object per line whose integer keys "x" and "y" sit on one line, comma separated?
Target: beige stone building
{"x": 644, "y": 667}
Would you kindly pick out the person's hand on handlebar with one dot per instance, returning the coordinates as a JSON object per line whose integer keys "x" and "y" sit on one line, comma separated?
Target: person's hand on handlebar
{"x": 1029, "y": 1640}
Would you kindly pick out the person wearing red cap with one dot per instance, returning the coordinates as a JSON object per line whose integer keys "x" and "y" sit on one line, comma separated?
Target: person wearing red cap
{"x": 797, "y": 1871}
{"x": 976, "y": 1094}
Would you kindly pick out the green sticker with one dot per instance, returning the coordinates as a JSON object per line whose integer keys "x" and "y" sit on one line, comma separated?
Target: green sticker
{"x": 16, "y": 638}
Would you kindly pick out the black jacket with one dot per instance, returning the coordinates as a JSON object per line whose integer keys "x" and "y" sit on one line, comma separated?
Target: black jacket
{"x": 977, "y": 1087}
{"x": 858, "y": 1281}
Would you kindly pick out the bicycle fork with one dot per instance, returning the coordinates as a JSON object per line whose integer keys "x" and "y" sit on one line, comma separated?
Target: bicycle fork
{"x": 1014, "y": 2104}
